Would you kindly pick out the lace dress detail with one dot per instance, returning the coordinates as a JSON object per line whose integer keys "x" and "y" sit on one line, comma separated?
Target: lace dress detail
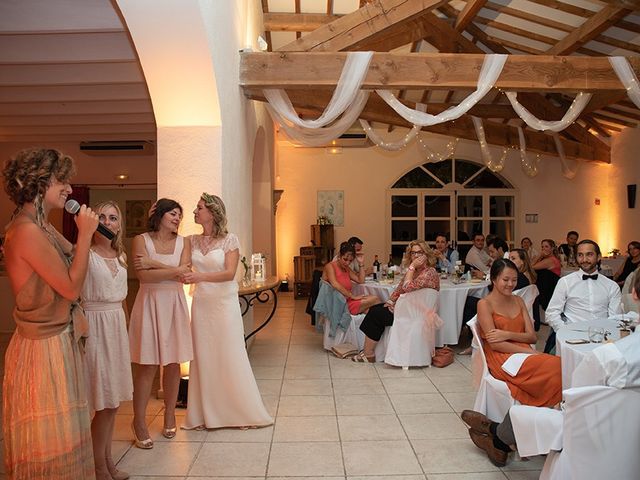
{"x": 204, "y": 244}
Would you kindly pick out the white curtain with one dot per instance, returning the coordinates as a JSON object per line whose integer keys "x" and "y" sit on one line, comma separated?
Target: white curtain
{"x": 627, "y": 77}
{"x": 348, "y": 87}
{"x": 487, "y": 157}
{"x": 318, "y": 137}
{"x": 393, "y": 146}
{"x": 534, "y": 122}
{"x": 491, "y": 69}
{"x": 567, "y": 171}
{"x": 530, "y": 167}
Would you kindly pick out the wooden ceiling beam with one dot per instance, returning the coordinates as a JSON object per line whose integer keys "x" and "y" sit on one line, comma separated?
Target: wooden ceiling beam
{"x": 372, "y": 23}
{"x": 296, "y": 22}
{"x": 589, "y": 30}
{"x": 442, "y": 71}
{"x": 377, "y": 110}
{"x": 466, "y": 15}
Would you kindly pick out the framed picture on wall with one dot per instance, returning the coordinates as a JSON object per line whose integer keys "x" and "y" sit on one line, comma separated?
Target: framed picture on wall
{"x": 331, "y": 205}
{"x": 136, "y": 212}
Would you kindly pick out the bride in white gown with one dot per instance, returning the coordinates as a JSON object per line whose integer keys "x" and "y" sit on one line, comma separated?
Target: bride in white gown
{"x": 222, "y": 388}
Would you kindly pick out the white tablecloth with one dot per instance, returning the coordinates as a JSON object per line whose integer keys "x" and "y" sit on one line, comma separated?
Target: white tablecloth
{"x": 572, "y": 355}
{"x": 451, "y": 303}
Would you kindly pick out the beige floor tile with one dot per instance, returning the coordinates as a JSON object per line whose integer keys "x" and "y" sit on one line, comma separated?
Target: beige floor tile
{"x": 258, "y": 349}
{"x": 119, "y": 448}
{"x": 451, "y": 456}
{"x": 306, "y": 371}
{"x": 268, "y": 373}
{"x": 345, "y": 368}
{"x": 306, "y": 429}
{"x": 389, "y": 371}
{"x": 456, "y": 368}
{"x": 164, "y": 458}
{"x": 269, "y": 387}
{"x": 460, "y": 401}
{"x": 307, "y": 387}
{"x": 271, "y": 404}
{"x": 387, "y": 477}
{"x": 363, "y": 404}
{"x": 305, "y": 459}
{"x": 408, "y": 385}
{"x": 434, "y": 425}
{"x": 306, "y": 405}
{"x": 237, "y": 435}
{"x": 523, "y": 475}
{"x": 303, "y": 338}
{"x": 306, "y": 478}
{"x": 407, "y": 403}
{"x": 348, "y": 386}
{"x": 467, "y": 476}
{"x": 307, "y": 358}
{"x": 380, "y": 458}
{"x": 267, "y": 360}
{"x": 135, "y": 477}
{"x": 231, "y": 459}
{"x": 532, "y": 463}
{"x": 370, "y": 427}
{"x": 122, "y": 427}
{"x": 155, "y": 430}
{"x": 454, "y": 384}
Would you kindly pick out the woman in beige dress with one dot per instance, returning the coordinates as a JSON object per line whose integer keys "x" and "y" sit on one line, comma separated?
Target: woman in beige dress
{"x": 45, "y": 420}
{"x": 107, "y": 351}
{"x": 159, "y": 332}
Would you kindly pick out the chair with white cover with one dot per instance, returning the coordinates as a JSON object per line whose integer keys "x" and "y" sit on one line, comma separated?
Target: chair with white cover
{"x": 493, "y": 397}
{"x": 412, "y": 337}
{"x": 338, "y": 324}
{"x": 598, "y": 436}
{"x": 529, "y": 295}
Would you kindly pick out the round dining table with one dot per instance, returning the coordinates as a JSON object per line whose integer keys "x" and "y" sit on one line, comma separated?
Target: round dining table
{"x": 450, "y": 303}
{"x": 572, "y": 354}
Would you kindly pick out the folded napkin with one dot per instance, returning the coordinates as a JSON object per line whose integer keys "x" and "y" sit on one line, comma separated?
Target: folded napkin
{"x": 512, "y": 365}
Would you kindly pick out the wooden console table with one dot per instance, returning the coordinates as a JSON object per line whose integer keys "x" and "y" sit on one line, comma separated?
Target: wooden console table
{"x": 261, "y": 292}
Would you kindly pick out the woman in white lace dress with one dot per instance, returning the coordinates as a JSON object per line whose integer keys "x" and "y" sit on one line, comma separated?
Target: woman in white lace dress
{"x": 222, "y": 389}
{"x": 107, "y": 349}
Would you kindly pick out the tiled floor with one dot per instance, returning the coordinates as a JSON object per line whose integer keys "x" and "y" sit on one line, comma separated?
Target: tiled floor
{"x": 334, "y": 420}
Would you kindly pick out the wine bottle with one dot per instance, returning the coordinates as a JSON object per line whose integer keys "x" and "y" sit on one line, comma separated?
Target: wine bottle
{"x": 376, "y": 267}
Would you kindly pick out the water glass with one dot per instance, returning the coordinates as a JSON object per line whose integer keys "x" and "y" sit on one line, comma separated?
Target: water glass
{"x": 596, "y": 334}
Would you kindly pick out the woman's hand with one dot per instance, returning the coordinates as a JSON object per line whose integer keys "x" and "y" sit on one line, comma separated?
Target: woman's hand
{"x": 141, "y": 262}
{"x": 86, "y": 221}
{"x": 356, "y": 297}
{"x": 419, "y": 261}
{"x": 389, "y": 305}
{"x": 496, "y": 335}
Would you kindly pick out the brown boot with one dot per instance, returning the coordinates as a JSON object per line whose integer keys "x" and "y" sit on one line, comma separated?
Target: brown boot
{"x": 485, "y": 442}
{"x": 477, "y": 421}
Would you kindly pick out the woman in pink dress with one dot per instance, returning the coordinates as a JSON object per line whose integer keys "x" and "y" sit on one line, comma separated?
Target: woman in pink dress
{"x": 159, "y": 332}
{"x": 340, "y": 275}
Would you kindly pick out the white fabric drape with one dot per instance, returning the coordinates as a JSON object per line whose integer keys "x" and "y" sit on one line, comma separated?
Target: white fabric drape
{"x": 348, "y": 87}
{"x": 627, "y": 77}
{"x": 530, "y": 167}
{"x": 487, "y": 157}
{"x": 393, "y": 146}
{"x": 578, "y": 104}
{"x": 318, "y": 137}
{"x": 567, "y": 171}
{"x": 491, "y": 69}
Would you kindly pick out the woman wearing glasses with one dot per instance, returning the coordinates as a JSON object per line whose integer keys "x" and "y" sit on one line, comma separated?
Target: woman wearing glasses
{"x": 421, "y": 273}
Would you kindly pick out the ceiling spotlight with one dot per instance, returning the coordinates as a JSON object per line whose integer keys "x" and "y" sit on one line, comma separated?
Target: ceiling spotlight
{"x": 122, "y": 176}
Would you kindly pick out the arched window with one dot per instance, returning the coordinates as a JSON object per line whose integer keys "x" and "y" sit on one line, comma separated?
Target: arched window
{"x": 457, "y": 197}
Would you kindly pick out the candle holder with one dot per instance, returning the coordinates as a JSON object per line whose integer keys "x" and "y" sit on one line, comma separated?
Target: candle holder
{"x": 258, "y": 272}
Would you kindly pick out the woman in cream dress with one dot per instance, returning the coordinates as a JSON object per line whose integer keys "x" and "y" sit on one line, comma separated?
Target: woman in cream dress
{"x": 222, "y": 388}
{"x": 107, "y": 350}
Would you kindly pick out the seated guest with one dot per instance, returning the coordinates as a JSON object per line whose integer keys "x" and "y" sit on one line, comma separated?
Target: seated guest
{"x": 583, "y": 295}
{"x": 569, "y": 249}
{"x": 340, "y": 275}
{"x": 421, "y": 273}
{"x": 358, "y": 256}
{"x": 476, "y": 257}
{"x": 618, "y": 366}
{"x": 447, "y": 256}
{"x": 631, "y": 263}
{"x": 547, "y": 268}
{"x": 505, "y": 329}
{"x": 526, "y": 273}
{"x": 497, "y": 248}
{"x": 527, "y": 244}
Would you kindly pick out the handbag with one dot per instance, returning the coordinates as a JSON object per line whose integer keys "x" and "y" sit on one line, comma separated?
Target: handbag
{"x": 442, "y": 357}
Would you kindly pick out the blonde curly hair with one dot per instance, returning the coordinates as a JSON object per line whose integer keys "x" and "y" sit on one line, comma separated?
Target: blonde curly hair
{"x": 216, "y": 206}
{"x": 28, "y": 175}
{"x": 431, "y": 257}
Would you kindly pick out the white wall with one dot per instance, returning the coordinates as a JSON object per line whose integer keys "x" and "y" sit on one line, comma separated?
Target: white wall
{"x": 366, "y": 174}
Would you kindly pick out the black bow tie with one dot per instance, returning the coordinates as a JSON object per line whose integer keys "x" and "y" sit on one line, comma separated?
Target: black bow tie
{"x": 592, "y": 277}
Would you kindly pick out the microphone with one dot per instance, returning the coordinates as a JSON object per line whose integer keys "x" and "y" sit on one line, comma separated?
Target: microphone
{"x": 73, "y": 207}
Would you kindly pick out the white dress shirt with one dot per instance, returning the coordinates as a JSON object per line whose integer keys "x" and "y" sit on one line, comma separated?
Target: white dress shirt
{"x": 478, "y": 258}
{"x": 579, "y": 300}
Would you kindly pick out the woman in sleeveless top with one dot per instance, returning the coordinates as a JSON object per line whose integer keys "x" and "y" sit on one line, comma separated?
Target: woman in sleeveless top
{"x": 107, "y": 350}
{"x": 339, "y": 274}
{"x": 159, "y": 332}
{"x": 505, "y": 328}
{"x": 46, "y": 421}
{"x": 220, "y": 356}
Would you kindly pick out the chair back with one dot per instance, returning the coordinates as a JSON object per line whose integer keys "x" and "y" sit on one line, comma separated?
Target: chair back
{"x": 529, "y": 295}
{"x": 412, "y": 336}
{"x": 601, "y": 437}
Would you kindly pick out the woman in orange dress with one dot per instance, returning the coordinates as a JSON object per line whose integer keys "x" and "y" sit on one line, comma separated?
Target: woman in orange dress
{"x": 506, "y": 328}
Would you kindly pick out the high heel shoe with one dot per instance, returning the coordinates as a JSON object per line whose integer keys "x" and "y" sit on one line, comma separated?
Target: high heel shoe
{"x": 145, "y": 444}
{"x": 169, "y": 432}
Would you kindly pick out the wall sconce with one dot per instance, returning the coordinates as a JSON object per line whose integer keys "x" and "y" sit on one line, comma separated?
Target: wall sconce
{"x": 334, "y": 150}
